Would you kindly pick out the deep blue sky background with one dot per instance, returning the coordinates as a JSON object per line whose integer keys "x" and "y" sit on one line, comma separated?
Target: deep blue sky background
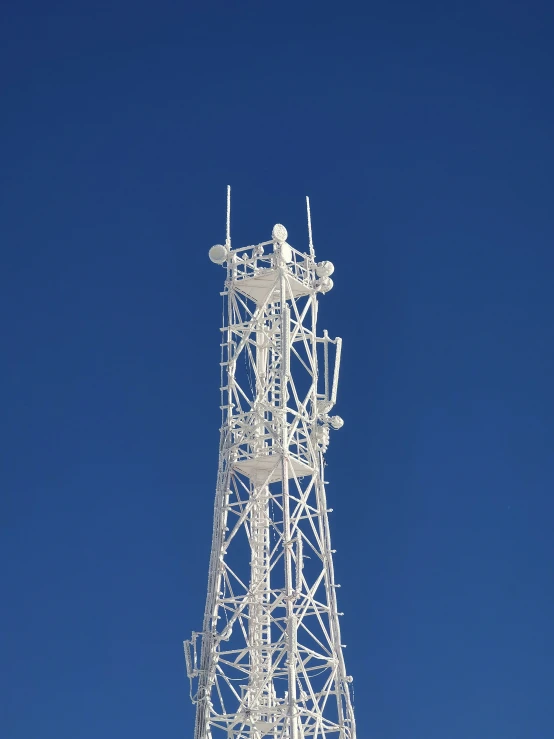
{"x": 423, "y": 132}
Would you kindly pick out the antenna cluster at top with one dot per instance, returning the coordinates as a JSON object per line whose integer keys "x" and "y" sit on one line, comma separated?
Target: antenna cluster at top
{"x": 220, "y": 253}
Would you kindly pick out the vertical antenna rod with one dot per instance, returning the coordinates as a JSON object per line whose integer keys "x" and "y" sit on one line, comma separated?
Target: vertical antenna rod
{"x": 310, "y": 240}
{"x": 228, "y": 232}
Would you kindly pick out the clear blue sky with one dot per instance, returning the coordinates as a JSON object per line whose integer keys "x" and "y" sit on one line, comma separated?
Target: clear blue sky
{"x": 423, "y": 132}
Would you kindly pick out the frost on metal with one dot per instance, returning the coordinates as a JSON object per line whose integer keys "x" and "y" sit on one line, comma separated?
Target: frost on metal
{"x": 268, "y": 661}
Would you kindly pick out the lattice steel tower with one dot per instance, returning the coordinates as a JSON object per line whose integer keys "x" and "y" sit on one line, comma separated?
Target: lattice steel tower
{"x": 268, "y": 661}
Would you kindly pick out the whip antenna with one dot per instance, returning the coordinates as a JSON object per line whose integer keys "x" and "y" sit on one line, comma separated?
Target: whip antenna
{"x": 312, "y": 252}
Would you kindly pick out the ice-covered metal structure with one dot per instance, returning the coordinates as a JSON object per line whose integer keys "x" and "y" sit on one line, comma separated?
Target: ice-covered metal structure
{"x": 268, "y": 661}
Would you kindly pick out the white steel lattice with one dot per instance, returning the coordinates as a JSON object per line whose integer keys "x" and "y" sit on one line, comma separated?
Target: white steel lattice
{"x": 268, "y": 662}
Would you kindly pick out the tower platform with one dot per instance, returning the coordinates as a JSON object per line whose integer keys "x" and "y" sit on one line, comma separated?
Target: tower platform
{"x": 260, "y": 285}
{"x": 259, "y": 469}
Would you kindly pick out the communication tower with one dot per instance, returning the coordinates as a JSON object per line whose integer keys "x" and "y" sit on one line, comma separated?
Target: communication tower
{"x": 268, "y": 661}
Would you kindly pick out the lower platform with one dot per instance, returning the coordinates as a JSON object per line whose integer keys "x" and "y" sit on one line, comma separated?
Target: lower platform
{"x": 269, "y": 466}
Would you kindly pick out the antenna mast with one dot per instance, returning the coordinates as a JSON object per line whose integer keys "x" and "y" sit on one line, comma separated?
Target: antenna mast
{"x": 228, "y": 230}
{"x": 310, "y": 240}
{"x": 268, "y": 661}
